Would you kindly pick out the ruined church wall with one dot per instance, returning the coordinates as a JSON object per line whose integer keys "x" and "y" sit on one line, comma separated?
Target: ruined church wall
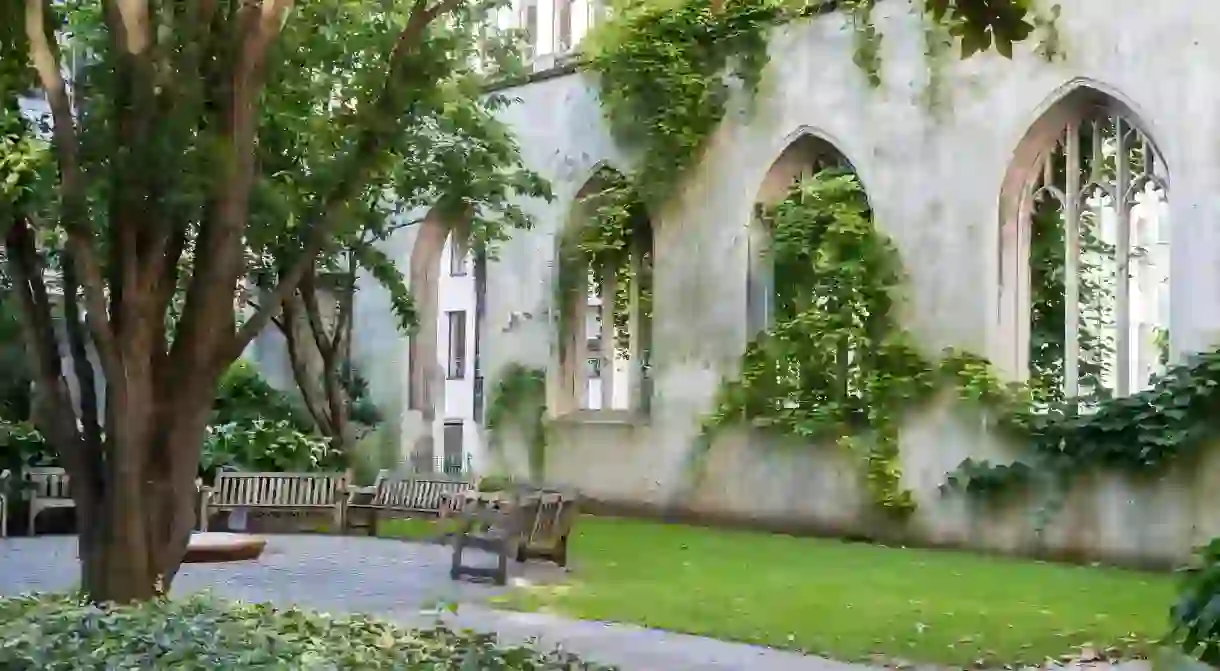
{"x": 934, "y": 182}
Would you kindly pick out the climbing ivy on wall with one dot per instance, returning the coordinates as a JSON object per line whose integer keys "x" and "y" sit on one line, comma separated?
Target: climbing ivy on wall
{"x": 605, "y": 243}
{"x": 665, "y": 72}
{"x": 519, "y": 401}
{"x": 835, "y": 364}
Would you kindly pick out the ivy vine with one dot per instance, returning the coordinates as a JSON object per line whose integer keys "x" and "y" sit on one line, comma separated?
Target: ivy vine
{"x": 519, "y": 401}
{"x": 612, "y": 242}
{"x": 835, "y": 364}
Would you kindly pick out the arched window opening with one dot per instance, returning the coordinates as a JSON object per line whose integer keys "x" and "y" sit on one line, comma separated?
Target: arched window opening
{"x": 801, "y": 160}
{"x": 443, "y": 384}
{"x": 605, "y": 278}
{"x": 1094, "y": 241}
{"x": 811, "y": 232}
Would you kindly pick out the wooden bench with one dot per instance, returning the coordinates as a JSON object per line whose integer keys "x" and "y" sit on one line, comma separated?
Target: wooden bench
{"x": 549, "y": 517}
{"x": 491, "y": 528}
{"x": 276, "y": 491}
{"x": 523, "y": 523}
{"x": 4, "y": 478}
{"x": 417, "y": 494}
{"x": 49, "y": 488}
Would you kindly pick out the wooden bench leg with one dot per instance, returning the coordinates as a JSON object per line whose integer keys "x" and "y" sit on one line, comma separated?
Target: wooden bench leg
{"x": 459, "y": 545}
{"x": 501, "y": 577}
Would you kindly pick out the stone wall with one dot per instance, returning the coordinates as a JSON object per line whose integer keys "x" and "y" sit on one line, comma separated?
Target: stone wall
{"x": 935, "y": 183}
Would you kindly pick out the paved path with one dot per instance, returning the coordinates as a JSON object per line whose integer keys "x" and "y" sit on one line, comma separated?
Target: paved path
{"x": 404, "y": 581}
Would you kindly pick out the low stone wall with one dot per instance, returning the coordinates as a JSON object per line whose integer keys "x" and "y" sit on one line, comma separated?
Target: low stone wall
{"x": 752, "y": 480}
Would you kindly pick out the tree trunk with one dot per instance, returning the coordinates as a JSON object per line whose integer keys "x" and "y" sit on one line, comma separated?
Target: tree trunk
{"x": 322, "y": 390}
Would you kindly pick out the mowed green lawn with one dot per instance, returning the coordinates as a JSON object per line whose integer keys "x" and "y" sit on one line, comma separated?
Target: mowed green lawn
{"x": 851, "y": 601}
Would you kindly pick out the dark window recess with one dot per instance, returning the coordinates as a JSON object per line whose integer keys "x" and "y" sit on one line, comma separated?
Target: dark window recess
{"x": 457, "y": 345}
{"x": 453, "y": 447}
{"x": 457, "y": 259}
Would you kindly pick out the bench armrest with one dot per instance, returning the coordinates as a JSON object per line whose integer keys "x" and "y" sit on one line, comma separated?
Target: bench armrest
{"x": 353, "y": 492}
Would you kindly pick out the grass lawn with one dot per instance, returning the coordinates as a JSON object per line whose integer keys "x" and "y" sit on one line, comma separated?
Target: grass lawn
{"x": 850, "y": 601}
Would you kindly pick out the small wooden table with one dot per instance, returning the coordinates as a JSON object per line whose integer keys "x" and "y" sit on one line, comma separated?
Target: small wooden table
{"x": 212, "y": 547}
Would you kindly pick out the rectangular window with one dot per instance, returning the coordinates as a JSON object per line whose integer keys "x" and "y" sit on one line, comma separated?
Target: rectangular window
{"x": 454, "y": 453}
{"x": 457, "y": 345}
{"x": 563, "y": 26}
{"x": 457, "y": 259}
{"x": 529, "y": 24}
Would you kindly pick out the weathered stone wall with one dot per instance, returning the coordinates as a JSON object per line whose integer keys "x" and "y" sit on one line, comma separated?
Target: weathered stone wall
{"x": 935, "y": 183}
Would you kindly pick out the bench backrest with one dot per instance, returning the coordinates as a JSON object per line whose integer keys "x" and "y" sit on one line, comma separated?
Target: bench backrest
{"x": 426, "y": 493}
{"x": 553, "y": 513}
{"x": 279, "y": 489}
{"x": 48, "y": 482}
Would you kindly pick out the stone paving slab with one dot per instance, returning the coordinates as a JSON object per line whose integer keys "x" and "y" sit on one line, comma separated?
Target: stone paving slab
{"x": 404, "y": 581}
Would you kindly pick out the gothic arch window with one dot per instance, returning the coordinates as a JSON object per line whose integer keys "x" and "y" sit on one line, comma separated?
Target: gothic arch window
{"x": 1084, "y": 270}
{"x": 809, "y": 191}
{"x": 433, "y": 349}
{"x": 805, "y": 157}
{"x": 605, "y": 289}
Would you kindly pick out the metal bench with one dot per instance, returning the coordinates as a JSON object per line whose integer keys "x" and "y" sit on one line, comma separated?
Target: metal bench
{"x": 276, "y": 491}
{"x": 49, "y": 488}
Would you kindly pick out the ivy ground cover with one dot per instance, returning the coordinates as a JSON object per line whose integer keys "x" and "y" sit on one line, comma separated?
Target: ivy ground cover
{"x": 852, "y": 601}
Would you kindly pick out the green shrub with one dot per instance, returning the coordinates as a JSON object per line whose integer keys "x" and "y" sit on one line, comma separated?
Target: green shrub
{"x": 57, "y": 633}
{"x": 22, "y": 445}
{"x": 1196, "y": 615}
{"x": 244, "y": 396}
{"x": 266, "y": 445}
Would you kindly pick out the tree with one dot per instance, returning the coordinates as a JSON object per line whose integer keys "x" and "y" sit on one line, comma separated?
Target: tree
{"x": 188, "y": 135}
{"x": 459, "y": 179}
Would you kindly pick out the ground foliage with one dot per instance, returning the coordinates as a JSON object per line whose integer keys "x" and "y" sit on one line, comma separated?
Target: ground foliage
{"x": 1196, "y": 615}
{"x": 63, "y": 633}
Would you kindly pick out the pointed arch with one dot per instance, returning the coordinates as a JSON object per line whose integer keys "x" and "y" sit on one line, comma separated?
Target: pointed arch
{"x": 1088, "y": 171}
{"x": 605, "y": 311}
{"x": 805, "y": 153}
{"x": 426, "y": 374}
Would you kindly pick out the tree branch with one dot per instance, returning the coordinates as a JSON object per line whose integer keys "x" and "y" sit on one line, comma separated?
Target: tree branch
{"x": 80, "y": 360}
{"x": 72, "y": 185}
{"x": 372, "y": 135}
{"x": 313, "y": 313}
{"x": 41, "y": 343}
{"x": 220, "y": 259}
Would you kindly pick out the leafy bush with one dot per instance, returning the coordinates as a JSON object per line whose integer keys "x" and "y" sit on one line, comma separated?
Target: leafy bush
{"x": 266, "y": 445}
{"x": 58, "y": 633}
{"x": 244, "y": 396}
{"x": 22, "y": 445}
{"x": 1196, "y": 615}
